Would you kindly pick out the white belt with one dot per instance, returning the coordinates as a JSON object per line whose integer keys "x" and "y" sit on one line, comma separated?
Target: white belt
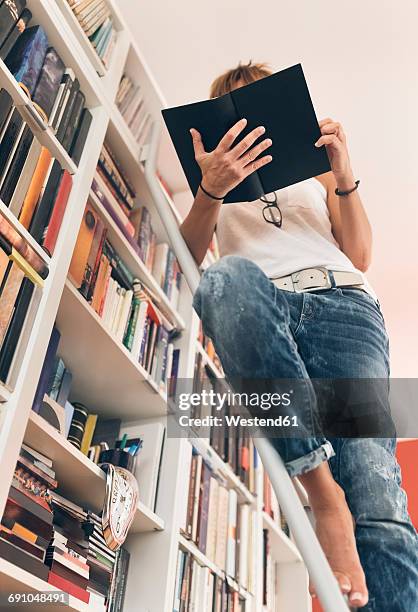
{"x": 317, "y": 279}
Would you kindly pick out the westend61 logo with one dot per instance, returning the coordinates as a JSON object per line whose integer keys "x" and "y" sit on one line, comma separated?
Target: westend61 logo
{"x": 220, "y": 401}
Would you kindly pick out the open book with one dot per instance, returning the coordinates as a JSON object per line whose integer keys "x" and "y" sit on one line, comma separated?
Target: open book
{"x": 280, "y": 102}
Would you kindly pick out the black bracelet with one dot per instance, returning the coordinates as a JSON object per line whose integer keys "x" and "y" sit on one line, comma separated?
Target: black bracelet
{"x": 346, "y": 193}
{"x": 209, "y": 194}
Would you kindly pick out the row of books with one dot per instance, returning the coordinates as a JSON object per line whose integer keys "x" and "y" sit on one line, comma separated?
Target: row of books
{"x": 52, "y": 87}
{"x": 131, "y": 104}
{"x": 32, "y": 184}
{"x": 209, "y": 347}
{"x": 91, "y": 433}
{"x": 95, "y": 19}
{"x": 117, "y": 196}
{"x": 58, "y": 541}
{"x": 271, "y": 505}
{"x": 197, "y": 588}
{"x": 14, "y": 18}
{"x": 223, "y": 530}
{"x": 122, "y": 301}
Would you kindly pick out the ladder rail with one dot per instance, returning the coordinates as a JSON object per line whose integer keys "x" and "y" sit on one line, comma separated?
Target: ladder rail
{"x": 320, "y": 572}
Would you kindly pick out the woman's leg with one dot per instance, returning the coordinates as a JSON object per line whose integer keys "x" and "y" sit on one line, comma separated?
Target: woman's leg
{"x": 365, "y": 467}
{"x": 251, "y": 326}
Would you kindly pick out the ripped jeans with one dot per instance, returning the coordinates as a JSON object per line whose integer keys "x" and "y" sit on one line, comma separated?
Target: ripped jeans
{"x": 260, "y": 331}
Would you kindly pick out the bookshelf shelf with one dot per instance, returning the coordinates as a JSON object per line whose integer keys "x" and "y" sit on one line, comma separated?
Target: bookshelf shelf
{"x": 14, "y": 579}
{"x": 135, "y": 264}
{"x": 189, "y": 546}
{"x": 5, "y": 211}
{"x": 79, "y": 478}
{"x": 105, "y": 375}
{"x": 282, "y": 548}
{"x": 225, "y": 470}
{"x": 43, "y": 133}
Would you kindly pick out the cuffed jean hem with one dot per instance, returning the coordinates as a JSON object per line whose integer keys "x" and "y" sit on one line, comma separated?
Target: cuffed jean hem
{"x": 308, "y": 462}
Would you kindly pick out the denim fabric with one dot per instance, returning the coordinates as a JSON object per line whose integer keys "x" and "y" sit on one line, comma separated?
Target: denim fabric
{"x": 263, "y": 332}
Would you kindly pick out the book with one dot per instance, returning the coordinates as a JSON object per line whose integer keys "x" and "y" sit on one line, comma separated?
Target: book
{"x": 47, "y": 368}
{"x": 67, "y": 110}
{"x": 26, "y": 61}
{"x": 25, "y": 178}
{"x": 51, "y": 231}
{"x": 83, "y": 245}
{"x": 80, "y": 137}
{"x": 231, "y": 539}
{"x": 74, "y": 120}
{"x": 6, "y": 105}
{"x": 17, "y": 29}
{"x": 281, "y": 103}
{"x": 9, "y": 14}
{"x": 45, "y": 205}
{"x": 9, "y": 140}
{"x": 49, "y": 81}
{"x": 30, "y": 505}
{"x": 16, "y": 165}
{"x": 61, "y": 99}
{"x": 8, "y": 297}
{"x": 68, "y": 587}
{"x": 93, "y": 259}
{"x": 32, "y": 549}
{"x": 15, "y": 513}
{"x": 35, "y": 187}
{"x": 23, "y": 559}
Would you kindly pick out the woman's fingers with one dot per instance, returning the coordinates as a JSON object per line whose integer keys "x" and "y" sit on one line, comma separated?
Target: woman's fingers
{"x": 247, "y": 142}
{"x": 256, "y": 165}
{"x": 227, "y": 140}
{"x": 198, "y": 147}
{"x": 328, "y": 139}
{"x": 332, "y": 127}
{"x": 253, "y": 153}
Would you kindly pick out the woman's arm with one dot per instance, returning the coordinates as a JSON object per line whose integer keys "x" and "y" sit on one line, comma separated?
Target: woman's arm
{"x": 349, "y": 221}
{"x": 222, "y": 170}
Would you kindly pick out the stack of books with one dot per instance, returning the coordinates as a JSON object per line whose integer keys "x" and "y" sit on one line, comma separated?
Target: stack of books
{"x": 27, "y": 524}
{"x": 122, "y": 301}
{"x": 223, "y": 530}
{"x": 95, "y": 19}
{"x": 130, "y": 102}
{"x": 197, "y": 588}
{"x": 53, "y": 88}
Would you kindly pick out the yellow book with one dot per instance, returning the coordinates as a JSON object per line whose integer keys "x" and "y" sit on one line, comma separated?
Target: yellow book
{"x": 88, "y": 433}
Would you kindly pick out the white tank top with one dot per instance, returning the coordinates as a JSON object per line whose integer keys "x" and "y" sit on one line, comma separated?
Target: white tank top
{"x": 305, "y": 239}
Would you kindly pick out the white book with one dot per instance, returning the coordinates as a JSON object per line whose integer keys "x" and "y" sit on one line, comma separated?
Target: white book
{"x": 147, "y": 469}
{"x": 222, "y": 528}
{"x": 124, "y": 316}
{"x": 202, "y": 588}
{"x": 160, "y": 262}
{"x": 232, "y": 528}
{"x": 143, "y": 129}
{"x": 25, "y": 178}
{"x": 107, "y": 301}
{"x": 194, "y": 587}
{"x": 139, "y": 328}
{"x": 38, "y": 455}
{"x": 212, "y": 519}
{"x": 118, "y": 309}
{"x": 196, "y": 497}
{"x": 184, "y": 498}
{"x": 244, "y": 531}
{"x": 209, "y": 599}
{"x": 132, "y": 107}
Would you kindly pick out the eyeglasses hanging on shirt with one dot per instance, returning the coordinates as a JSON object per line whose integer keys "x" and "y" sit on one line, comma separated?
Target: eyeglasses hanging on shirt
{"x": 271, "y": 211}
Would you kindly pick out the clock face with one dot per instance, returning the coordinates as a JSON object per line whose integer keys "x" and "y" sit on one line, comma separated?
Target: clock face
{"x": 122, "y": 503}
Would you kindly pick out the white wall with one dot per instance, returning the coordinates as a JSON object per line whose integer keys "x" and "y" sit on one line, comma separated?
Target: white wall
{"x": 360, "y": 59}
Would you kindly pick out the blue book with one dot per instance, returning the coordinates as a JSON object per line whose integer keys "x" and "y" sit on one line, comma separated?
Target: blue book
{"x": 27, "y": 59}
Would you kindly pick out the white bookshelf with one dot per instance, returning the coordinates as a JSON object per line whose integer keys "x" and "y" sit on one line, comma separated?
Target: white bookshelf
{"x": 105, "y": 376}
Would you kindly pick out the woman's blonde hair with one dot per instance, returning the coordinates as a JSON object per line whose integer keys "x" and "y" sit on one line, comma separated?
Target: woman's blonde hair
{"x": 246, "y": 73}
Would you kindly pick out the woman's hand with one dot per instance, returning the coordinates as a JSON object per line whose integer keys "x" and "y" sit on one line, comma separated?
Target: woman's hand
{"x": 227, "y": 166}
{"x": 333, "y": 138}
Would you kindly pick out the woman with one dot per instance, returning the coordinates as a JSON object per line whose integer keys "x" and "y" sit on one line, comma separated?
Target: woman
{"x": 288, "y": 299}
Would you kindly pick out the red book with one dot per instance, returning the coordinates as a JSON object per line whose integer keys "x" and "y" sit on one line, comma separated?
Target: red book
{"x": 58, "y": 211}
{"x": 68, "y": 587}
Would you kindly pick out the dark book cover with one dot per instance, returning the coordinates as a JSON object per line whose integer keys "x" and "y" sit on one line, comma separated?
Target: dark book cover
{"x": 93, "y": 257}
{"x": 15, "y": 513}
{"x": 45, "y": 205}
{"x": 61, "y": 100}
{"x": 106, "y": 430}
{"x": 122, "y": 567}
{"x": 12, "y": 131}
{"x": 68, "y": 574}
{"x": 23, "y": 559}
{"x": 282, "y": 104}
{"x": 9, "y": 14}
{"x": 30, "y": 505}
{"x": 68, "y": 109}
{"x": 45, "y": 376}
{"x": 80, "y": 137}
{"x": 25, "y": 63}
{"x": 6, "y": 104}
{"x": 49, "y": 81}
{"x": 51, "y": 232}
{"x": 74, "y": 121}
{"x": 65, "y": 388}
{"x": 17, "y": 30}
{"x": 16, "y": 166}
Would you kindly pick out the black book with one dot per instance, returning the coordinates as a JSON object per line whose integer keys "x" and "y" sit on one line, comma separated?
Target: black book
{"x": 61, "y": 100}
{"x": 74, "y": 121}
{"x": 49, "y": 81}
{"x": 281, "y": 103}
{"x": 80, "y": 137}
{"x": 68, "y": 110}
{"x": 6, "y": 103}
{"x": 9, "y": 14}
{"x": 18, "y": 29}
{"x": 45, "y": 205}
{"x": 23, "y": 559}
{"x": 16, "y": 166}
{"x": 11, "y": 133}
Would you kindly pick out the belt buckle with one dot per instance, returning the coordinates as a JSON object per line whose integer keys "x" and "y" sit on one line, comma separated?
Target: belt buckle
{"x": 308, "y": 280}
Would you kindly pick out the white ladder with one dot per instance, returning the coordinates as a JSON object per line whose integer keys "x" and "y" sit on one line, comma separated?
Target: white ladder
{"x": 319, "y": 570}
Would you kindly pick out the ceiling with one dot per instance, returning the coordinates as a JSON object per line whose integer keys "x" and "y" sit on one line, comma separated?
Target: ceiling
{"x": 360, "y": 60}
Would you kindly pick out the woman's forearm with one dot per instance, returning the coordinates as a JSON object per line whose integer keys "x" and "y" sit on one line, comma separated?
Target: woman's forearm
{"x": 198, "y": 227}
